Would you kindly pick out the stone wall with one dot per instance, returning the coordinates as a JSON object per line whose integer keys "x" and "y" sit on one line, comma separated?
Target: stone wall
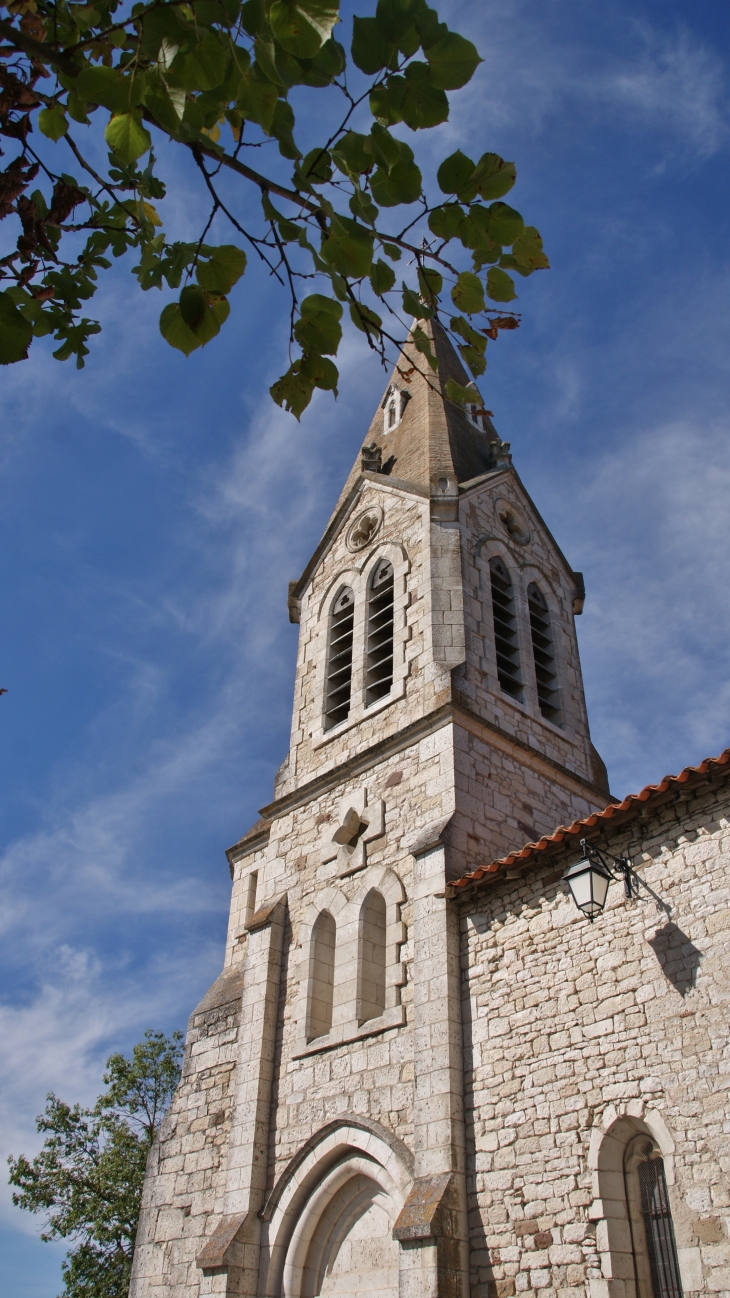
{"x": 579, "y": 1036}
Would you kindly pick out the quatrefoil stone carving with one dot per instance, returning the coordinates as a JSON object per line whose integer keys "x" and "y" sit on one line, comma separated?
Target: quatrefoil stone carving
{"x": 358, "y": 823}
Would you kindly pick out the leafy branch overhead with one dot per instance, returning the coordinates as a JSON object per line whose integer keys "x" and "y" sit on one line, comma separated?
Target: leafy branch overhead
{"x": 219, "y": 77}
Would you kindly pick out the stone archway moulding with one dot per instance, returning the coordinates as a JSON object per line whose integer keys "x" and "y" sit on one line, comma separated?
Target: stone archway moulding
{"x": 344, "y": 1149}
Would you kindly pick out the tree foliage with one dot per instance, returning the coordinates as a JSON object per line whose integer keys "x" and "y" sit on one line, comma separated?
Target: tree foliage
{"x": 219, "y": 77}
{"x": 88, "y": 1176}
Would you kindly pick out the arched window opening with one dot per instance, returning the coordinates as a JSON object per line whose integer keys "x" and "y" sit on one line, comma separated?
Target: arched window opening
{"x": 543, "y": 653}
{"x": 379, "y": 674}
{"x": 321, "y": 977}
{"x": 505, "y": 630}
{"x": 655, "y": 1250}
{"x": 339, "y": 660}
{"x": 371, "y": 961}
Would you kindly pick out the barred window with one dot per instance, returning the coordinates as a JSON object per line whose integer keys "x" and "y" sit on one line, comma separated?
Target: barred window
{"x": 505, "y": 630}
{"x": 379, "y": 673}
{"x": 543, "y": 654}
{"x": 656, "y": 1214}
{"x": 339, "y": 660}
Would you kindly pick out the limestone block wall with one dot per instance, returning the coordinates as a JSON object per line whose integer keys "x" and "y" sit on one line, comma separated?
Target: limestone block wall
{"x": 578, "y": 1037}
{"x": 187, "y": 1165}
{"x": 530, "y": 555}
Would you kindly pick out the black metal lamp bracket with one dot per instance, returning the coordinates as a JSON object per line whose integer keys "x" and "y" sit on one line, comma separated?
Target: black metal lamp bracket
{"x": 618, "y": 867}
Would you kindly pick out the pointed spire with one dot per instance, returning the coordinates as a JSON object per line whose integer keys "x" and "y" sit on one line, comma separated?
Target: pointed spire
{"x": 417, "y": 434}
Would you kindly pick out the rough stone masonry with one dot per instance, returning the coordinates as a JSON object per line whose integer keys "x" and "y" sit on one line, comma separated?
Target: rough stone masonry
{"x": 422, "y": 1072}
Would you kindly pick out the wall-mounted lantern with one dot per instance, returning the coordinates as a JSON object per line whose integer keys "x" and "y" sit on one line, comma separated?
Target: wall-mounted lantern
{"x": 589, "y": 878}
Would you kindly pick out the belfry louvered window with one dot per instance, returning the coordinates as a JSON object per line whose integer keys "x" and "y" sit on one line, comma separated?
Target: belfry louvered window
{"x": 379, "y": 673}
{"x": 542, "y": 649}
{"x": 339, "y": 660}
{"x": 657, "y": 1217}
{"x": 505, "y": 630}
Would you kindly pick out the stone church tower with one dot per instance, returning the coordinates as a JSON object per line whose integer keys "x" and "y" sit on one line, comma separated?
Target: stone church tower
{"x": 403, "y": 1051}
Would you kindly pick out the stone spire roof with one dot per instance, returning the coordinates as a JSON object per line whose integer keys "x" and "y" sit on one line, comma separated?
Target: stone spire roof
{"x": 434, "y": 438}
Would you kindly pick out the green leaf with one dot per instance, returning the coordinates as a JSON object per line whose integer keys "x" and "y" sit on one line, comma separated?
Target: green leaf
{"x": 316, "y": 167}
{"x": 505, "y": 224}
{"x": 412, "y": 304}
{"x": 382, "y": 277}
{"x": 317, "y": 302}
{"x": 527, "y": 251}
{"x": 321, "y": 372}
{"x": 469, "y": 333}
{"x": 423, "y": 104}
{"x": 457, "y": 393}
{"x": 192, "y": 305}
{"x": 205, "y": 64}
{"x": 15, "y": 332}
{"x": 52, "y": 122}
{"x": 386, "y": 101}
{"x": 371, "y": 49}
{"x": 282, "y": 126}
{"x": 453, "y": 61}
{"x": 257, "y": 100}
{"x": 423, "y": 345}
{"x": 500, "y": 285}
{"x": 362, "y": 206}
{"x": 348, "y": 248}
{"x": 350, "y": 155}
{"x": 402, "y": 184}
{"x": 430, "y": 283}
{"x": 454, "y": 176}
{"x": 110, "y": 88}
{"x": 393, "y": 251}
{"x": 223, "y": 269}
{"x": 468, "y": 293}
{"x": 367, "y": 321}
{"x": 493, "y": 176}
{"x": 76, "y": 107}
{"x": 473, "y": 359}
{"x": 318, "y": 329}
{"x": 302, "y": 26}
{"x": 127, "y": 137}
{"x": 445, "y": 222}
{"x": 293, "y": 390}
{"x": 163, "y": 107}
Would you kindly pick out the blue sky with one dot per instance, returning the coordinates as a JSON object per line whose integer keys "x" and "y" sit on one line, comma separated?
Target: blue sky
{"x": 153, "y": 510}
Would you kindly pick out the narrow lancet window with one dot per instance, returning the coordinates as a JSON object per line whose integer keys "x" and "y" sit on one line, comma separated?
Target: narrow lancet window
{"x": 379, "y": 674}
{"x": 505, "y": 630}
{"x": 542, "y": 649}
{"x": 656, "y": 1214}
{"x": 321, "y": 977}
{"x": 339, "y": 660}
{"x": 371, "y": 964}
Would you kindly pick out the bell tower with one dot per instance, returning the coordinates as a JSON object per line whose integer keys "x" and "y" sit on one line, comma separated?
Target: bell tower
{"x": 316, "y": 1145}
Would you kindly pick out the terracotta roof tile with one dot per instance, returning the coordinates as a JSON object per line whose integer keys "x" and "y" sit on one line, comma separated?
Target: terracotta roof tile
{"x": 627, "y": 810}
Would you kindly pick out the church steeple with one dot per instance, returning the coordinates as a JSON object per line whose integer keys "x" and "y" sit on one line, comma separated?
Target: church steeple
{"x": 417, "y": 434}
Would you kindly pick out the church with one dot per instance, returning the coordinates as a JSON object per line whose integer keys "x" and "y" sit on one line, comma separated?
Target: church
{"x": 470, "y": 1038}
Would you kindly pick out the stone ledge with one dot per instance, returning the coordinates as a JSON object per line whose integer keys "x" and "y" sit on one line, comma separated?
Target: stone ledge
{"x": 344, "y": 1035}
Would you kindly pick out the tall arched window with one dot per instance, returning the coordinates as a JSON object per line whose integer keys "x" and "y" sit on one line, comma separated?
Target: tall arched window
{"x": 652, "y": 1230}
{"x": 379, "y": 673}
{"x": 371, "y": 961}
{"x": 505, "y": 630}
{"x": 339, "y": 660}
{"x": 542, "y": 650}
{"x": 321, "y": 977}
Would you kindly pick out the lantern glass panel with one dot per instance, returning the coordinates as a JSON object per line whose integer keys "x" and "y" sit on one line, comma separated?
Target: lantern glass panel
{"x": 589, "y": 885}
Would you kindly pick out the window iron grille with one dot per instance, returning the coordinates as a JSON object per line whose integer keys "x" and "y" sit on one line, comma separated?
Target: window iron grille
{"x": 505, "y": 630}
{"x": 339, "y": 660}
{"x": 379, "y": 673}
{"x": 657, "y": 1217}
{"x": 543, "y": 654}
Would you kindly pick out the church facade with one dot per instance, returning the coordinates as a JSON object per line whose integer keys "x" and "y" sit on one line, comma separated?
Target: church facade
{"x": 422, "y": 1072}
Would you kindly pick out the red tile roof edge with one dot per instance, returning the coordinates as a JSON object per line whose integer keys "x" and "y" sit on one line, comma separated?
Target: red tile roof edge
{"x": 558, "y": 836}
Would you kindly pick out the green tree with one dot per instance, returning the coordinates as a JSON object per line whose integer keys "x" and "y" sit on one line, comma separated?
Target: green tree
{"x": 88, "y": 1177}
{"x": 219, "y": 78}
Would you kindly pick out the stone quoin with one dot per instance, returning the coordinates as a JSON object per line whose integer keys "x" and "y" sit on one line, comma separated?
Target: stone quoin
{"x": 422, "y": 1073}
